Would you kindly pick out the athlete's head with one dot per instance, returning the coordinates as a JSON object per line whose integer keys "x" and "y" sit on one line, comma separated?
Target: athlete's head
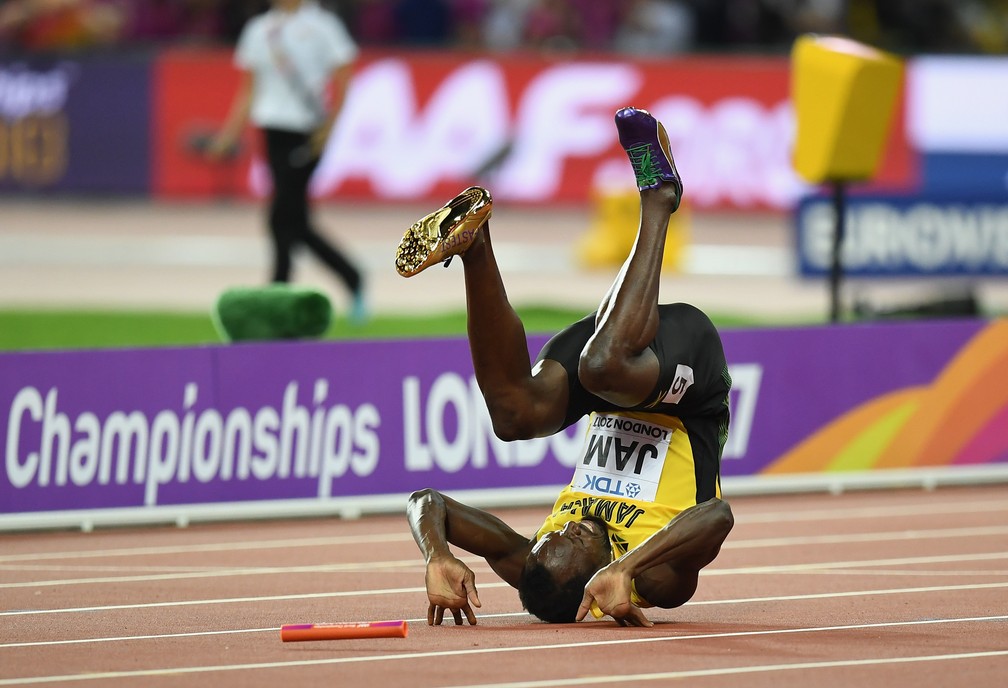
{"x": 558, "y": 567}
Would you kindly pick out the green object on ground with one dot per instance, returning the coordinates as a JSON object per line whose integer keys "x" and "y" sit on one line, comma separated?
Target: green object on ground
{"x": 272, "y": 312}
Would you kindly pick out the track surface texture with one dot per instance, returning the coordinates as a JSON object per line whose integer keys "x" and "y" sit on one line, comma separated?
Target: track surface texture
{"x": 126, "y": 254}
{"x": 873, "y": 588}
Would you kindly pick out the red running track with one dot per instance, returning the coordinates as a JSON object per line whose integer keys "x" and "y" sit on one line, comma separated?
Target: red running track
{"x": 896, "y": 588}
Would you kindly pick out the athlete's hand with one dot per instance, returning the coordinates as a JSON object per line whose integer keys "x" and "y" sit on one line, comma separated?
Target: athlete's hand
{"x": 450, "y": 585}
{"x": 609, "y": 590}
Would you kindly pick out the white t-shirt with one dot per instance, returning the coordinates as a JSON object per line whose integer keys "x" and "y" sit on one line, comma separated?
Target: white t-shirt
{"x": 292, "y": 56}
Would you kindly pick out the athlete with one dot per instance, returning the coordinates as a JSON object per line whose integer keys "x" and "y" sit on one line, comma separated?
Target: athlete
{"x": 643, "y": 512}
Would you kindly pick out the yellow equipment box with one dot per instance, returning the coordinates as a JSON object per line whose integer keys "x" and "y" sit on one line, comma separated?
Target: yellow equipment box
{"x": 844, "y": 93}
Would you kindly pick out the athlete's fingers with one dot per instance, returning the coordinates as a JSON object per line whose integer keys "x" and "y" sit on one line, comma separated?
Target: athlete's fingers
{"x": 470, "y": 616}
{"x": 469, "y": 587}
{"x": 586, "y": 603}
{"x": 635, "y": 617}
{"x": 457, "y": 613}
{"x": 430, "y": 614}
{"x": 439, "y": 615}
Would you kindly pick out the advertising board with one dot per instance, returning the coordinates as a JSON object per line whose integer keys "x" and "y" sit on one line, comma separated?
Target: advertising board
{"x": 534, "y": 130}
{"x": 889, "y": 236}
{"x": 75, "y": 125}
{"x": 310, "y": 427}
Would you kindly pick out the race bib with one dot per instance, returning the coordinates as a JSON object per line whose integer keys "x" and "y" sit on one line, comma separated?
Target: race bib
{"x": 622, "y": 457}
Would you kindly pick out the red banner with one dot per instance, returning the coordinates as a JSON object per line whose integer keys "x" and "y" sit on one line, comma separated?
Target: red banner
{"x": 421, "y": 126}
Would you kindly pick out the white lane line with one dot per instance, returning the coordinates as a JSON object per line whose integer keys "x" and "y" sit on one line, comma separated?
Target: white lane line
{"x": 630, "y": 679}
{"x": 230, "y": 546}
{"x": 388, "y": 591}
{"x": 178, "y": 671}
{"x": 234, "y": 600}
{"x": 79, "y": 568}
{"x": 833, "y": 565}
{"x": 406, "y": 565}
{"x": 912, "y": 573}
{"x": 888, "y": 536}
{"x": 845, "y": 514}
{"x": 852, "y": 593}
{"x": 149, "y": 637}
{"x": 199, "y": 572}
{"x": 370, "y": 567}
{"x": 985, "y": 507}
{"x": 164, "y": 636}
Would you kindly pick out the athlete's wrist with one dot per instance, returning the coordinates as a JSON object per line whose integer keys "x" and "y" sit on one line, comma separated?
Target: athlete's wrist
{"x": 624, "y": 566}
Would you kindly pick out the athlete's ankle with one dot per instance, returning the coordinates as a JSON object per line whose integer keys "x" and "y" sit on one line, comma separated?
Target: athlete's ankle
{"x": 665, "y": 195}
{"x": 477, "y": 250}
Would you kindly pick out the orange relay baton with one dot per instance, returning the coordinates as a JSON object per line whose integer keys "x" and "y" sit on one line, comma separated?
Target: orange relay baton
{"x": 290, "y": 633}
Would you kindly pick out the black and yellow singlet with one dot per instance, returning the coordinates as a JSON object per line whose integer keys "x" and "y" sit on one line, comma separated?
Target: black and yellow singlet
{"x": 640, "y": 467}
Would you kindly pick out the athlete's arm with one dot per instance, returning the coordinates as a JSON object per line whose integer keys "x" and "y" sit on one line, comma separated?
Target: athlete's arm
{"x": 437, "y": 521}
{"x": 664, "y": 567}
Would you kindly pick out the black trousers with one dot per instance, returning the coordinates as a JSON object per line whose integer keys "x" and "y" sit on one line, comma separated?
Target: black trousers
{"x": 289, "y": 217}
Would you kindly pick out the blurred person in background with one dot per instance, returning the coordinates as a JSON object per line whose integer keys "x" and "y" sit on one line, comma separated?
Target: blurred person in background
{"x": 291, "y": 58}
{"x": 373, "y": 21}
{"x": 553, "y": 25}
{"x": 424, "y": 22}
{"x": 655, "y": 27}
{"x": 468, "y": 18}
{"x": 503, "y": 24}
{"x": 61, "y": 25}
{"x": 164, "y": 21}
{"x": 938, "y": 26}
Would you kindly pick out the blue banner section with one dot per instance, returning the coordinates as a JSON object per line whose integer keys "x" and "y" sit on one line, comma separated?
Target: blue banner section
{"x": 76, "y": 125}
{"x": 889, "y": 236}
{"x": 965, "y": 175}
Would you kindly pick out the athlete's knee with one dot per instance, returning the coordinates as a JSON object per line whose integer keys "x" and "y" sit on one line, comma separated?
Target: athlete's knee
{"x": 676, "y": 594}
{"x": 721, "y": 519}
{"x": 726, "y": 514}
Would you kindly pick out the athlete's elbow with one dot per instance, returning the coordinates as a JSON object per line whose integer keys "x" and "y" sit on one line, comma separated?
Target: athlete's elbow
{"x": 511, "y": 421}
{"x": 511, "y": 428}
{"x": 597, "y": 371}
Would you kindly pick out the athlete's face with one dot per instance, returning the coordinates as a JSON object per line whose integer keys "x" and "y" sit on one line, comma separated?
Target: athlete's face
{"x": 578, "y": 548}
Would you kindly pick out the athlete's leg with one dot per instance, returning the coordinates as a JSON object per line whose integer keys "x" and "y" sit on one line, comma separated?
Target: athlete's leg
{"x": 617, "y": 364}
{"x": 523, "y": 402}
{"x": 699, "y": 533}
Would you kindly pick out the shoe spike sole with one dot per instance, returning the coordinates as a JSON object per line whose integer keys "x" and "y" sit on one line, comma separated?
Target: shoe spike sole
{"x": 445, "y": 233}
